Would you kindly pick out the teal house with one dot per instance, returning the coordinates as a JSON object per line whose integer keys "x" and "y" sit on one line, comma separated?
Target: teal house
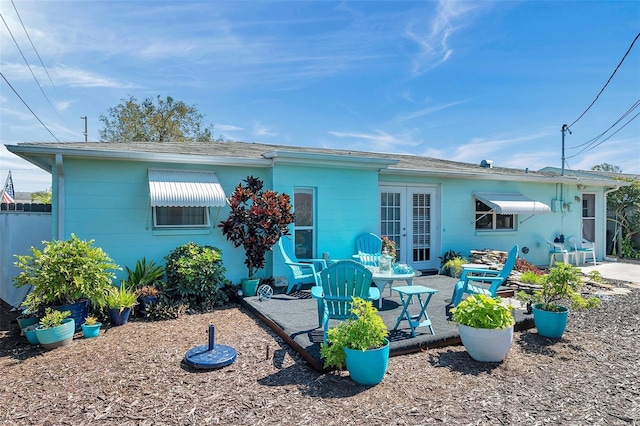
{"x": 144, "y": 199}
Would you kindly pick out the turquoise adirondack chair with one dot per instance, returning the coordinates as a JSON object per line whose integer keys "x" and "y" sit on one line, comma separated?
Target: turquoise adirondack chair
{"x": 340, "y": 283}
{"x": 369, "y": 249}
{"x": 483, "y": 281}
{"x": 303, "y": 270}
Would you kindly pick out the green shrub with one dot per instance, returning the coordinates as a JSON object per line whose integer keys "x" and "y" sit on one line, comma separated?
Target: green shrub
{"x": 530, "y": 277}
{"x": 144, "y": 274}
{"x": 194, "y": 276}
{"x": 482, "y": 311}
{"x": 66, "y": 271}
{"x": 165, "y": 309}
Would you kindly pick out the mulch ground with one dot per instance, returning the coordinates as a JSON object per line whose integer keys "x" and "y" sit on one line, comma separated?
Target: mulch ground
{"x": 135, "y": 375}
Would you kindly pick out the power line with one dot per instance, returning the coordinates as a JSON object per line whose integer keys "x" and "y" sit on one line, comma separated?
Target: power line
{"x": 606, "y": 139}
{"x": 32, "y": 45}
{"x": 27, "y": 62}
{"x": 590, "y": 142}
{"x": 29, "y": 108}
{"x": 607, "y": 83}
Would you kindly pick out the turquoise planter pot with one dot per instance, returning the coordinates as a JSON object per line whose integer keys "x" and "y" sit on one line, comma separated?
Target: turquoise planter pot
{"x": 249, "y": 287}
{"x": 26, "y": 322}
{"x": 30, "y": 333}
{"x": 62, "y": 335}
{"x": 368, "y": 367}
{"x": 550, "y": 324}
{"x": 89, "y": 331}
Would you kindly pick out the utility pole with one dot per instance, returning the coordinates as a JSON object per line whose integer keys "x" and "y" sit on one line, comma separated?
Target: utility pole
{"x": 565, "y": 128}
{"x": 86, "y": 134}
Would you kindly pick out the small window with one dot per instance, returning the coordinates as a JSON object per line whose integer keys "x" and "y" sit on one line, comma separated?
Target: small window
{"x": 304, "y": 225}
{"x": 180, "y": 217}
{"x": 489, "y": 220}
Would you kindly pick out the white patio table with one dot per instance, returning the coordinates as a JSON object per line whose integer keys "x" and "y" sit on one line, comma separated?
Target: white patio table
{"x": 382, "y": 279}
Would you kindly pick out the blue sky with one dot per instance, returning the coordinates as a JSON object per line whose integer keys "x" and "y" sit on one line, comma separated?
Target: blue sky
{"x": 453, "y": 80}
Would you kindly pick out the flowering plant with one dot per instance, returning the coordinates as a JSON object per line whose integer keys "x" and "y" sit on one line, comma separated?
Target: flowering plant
{"x": 390, "y": 246}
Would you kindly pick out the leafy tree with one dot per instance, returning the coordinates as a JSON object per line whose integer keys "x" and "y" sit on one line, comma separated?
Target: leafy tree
{"x": 606, "y": 167}
{"x": 624, "y": 206}
{"x": 42, "y": 197}
{"x": 164, "y": 120}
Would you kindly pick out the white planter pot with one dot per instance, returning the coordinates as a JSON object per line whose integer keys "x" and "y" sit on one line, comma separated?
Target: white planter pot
{"x": 486, "y": 344}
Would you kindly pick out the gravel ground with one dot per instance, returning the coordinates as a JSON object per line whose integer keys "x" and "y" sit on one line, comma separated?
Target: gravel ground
{"x": 134, "y": 375}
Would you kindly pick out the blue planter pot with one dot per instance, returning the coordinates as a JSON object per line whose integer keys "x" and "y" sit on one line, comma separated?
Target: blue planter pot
{"x": 367, "y": 367}
{"x": 549, "y": 323}
{"x": 89, "y": 331}
{"x": 118, "y": 317}
{"x": 79, "y": 312}
{"x": 62, "y": 335}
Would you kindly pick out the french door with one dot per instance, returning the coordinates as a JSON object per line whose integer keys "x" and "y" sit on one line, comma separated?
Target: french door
{"x": 409, "y": 216}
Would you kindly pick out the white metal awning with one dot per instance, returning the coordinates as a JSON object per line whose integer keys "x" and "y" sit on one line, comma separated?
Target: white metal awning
{"x": 512, "y": 203}
{"x": 185, "y": 188}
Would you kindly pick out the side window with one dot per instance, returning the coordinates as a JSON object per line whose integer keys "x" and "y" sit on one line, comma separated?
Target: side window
{"x": 180, "y": 217}
{"x": 304, "y": 225}
{"x": 489, "y": 220}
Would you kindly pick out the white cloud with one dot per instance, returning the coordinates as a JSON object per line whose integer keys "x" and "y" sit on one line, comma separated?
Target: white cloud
{"x": 432, "y": 37}
{"x": 227, "y": 127}
{"x": 429, "y": 110}
{"x": 379, "y": 141}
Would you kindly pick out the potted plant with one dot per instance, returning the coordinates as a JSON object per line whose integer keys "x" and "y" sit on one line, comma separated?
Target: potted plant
{"x": 29, "y": 315}
{"x": 361, "y": 344}
{"x": 486, "y": 327}
{"x": 55, "y": 329}
{"x": 145, "y": 280}
{"x": 562, "y": 283}
{"x": 451, "y": 263}
{"x": 30, "y": 333}
{"x": 91, "y": 327}
{"x": 257, "y": 220}
{"x": 67, "y": 275}
{"x": 120, "y": 300}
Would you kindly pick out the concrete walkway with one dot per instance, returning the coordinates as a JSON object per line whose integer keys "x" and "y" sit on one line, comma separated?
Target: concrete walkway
{"x": 617, "y": 271}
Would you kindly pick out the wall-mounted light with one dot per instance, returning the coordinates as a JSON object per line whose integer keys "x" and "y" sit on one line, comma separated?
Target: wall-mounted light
{"x": 577, "y": 199}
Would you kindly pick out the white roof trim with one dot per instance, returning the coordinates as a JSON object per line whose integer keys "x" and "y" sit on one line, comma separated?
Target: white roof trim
{"x": 512, "y": 203}
{"x": 185, "y": 188}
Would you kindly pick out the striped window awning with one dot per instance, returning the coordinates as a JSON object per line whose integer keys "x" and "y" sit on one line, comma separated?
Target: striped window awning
{"x": 185, "y": 188}
{"x": 512, "y": 203}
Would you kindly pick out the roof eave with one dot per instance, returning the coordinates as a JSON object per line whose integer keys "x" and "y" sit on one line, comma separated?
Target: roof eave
{"x": 527, "y": 177}
{"x": 43, "y": 157}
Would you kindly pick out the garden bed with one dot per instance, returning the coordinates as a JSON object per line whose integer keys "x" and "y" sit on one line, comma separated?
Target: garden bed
{"x": 134, "y": 374}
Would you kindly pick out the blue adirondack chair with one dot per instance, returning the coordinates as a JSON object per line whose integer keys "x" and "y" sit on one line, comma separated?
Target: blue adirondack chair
{"x": 340, "y": 283}
{"x": 369, "y": 249}
{"x": 483, "y": 281}
{"x": 304, "y": 271}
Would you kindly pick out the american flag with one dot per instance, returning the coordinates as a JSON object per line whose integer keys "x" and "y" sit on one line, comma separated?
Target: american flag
{"x": 8, "y": 195}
